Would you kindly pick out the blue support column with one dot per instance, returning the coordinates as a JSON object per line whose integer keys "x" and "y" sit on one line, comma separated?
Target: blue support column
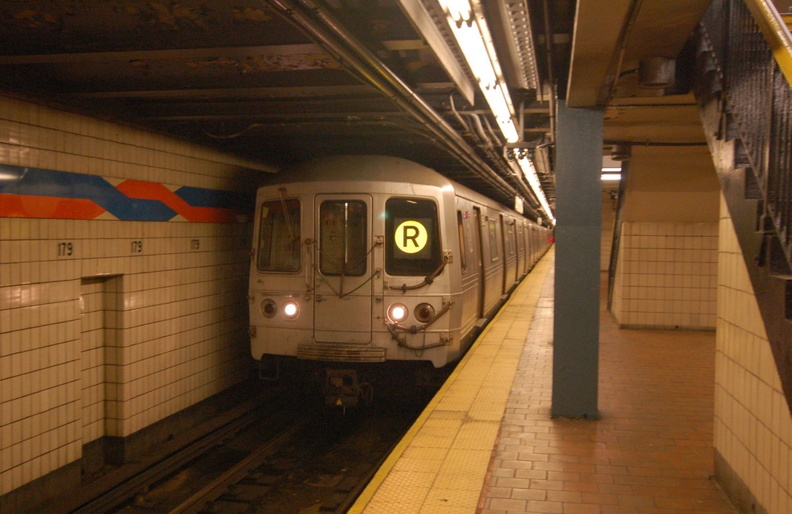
{"x": 577, "y": 269}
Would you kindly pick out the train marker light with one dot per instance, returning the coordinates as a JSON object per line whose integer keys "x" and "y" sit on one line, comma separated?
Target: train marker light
{"x": 269, "y": 308}
{"x": 291, "y": 309}
{"x": 424, "y": 312}
{"x": 397, "y": 313}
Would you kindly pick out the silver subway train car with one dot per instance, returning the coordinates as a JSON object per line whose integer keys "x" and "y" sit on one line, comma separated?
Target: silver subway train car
{"x": 361, "y": 261}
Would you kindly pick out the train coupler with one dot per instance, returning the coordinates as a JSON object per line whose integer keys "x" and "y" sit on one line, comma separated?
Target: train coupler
{"x": 269, "y": 368}
{"x": 343, "y": 389}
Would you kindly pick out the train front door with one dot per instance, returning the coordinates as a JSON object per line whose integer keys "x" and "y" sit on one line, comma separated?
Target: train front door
{"x": 343, "y": 269}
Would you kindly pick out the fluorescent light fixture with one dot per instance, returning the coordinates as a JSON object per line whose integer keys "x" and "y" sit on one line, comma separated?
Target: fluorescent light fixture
{"x": 467, "y": 23}
{"x": 529, "y": 172}
{"x": 611, "y": 169}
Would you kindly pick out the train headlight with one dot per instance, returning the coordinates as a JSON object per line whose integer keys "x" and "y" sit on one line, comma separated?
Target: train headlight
{"x": 291, "y": 309}
{"x": 397, "y": 313}
{"x": 424, "y": 312}
{"x": 269, "y": 308}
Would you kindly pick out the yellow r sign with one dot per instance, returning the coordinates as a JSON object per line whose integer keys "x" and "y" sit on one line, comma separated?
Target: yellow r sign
{"x": 411, "y": 236}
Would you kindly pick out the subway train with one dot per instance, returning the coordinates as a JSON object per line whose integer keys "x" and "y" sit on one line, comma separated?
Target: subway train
{"x": 361, "y": 262}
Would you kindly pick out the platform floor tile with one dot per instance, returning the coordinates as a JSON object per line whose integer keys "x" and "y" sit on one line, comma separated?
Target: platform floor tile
{"x": 651, "y": 450}
{"x": 486, "y": 443}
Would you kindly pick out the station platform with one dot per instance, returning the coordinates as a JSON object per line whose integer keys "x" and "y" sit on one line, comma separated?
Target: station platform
{"x": 486, "y": 443}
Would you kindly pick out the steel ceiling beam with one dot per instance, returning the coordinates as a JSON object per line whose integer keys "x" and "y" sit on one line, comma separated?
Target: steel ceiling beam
{"x": 336, "y": 40}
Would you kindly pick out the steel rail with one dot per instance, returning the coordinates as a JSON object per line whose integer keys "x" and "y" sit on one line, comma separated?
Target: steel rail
{"x": 164, "y": 467}
{"x": 217, "y": 487}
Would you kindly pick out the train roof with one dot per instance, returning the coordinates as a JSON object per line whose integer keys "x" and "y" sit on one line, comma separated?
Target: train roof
{"x": 361, "y": 168}
{"x": 375, "y": 168}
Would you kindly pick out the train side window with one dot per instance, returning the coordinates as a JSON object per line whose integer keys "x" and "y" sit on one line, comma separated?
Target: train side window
{"x": 512, "y": 237}
{"x": 343, "y": 249}
{"x": 492, "y": 227}
{"x": 412, "y": 244}
{"x": 279, "y": 236}
{"x": 462, "y": 242}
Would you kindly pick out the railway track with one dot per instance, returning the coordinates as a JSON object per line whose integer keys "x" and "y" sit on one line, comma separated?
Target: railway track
{"x": 274, "y": 459}
{"x": 321, "y": 466}
{"x": 223, "y": 486}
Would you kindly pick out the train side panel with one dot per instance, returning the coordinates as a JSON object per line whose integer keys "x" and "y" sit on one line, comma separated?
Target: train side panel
{"x": 493, "y": 262}
{"x": 509, "y": 231}
{"x": 471, "y": 309}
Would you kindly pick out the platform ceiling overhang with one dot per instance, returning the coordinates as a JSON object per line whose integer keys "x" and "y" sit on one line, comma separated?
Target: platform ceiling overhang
{"x": 287, "y": 80}
{"x": 611, "y": 39}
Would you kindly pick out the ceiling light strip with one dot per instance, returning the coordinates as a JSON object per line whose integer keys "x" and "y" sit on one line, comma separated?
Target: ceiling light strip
{"x": 529, "y": 172}
{"x": 467, "y": 23}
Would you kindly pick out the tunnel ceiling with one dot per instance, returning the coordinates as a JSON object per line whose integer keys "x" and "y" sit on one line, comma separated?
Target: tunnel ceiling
{"x": 287, "y": 80}
{"x": 274, "y": 80}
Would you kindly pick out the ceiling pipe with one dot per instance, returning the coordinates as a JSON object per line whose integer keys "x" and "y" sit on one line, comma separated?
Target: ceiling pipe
{"x": 336, "y": 40}
{"x": 549, "y": 42}
{"x": 632, "y": 16}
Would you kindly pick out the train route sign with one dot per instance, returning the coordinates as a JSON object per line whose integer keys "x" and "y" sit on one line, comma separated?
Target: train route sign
{"x": 411, "y": 236}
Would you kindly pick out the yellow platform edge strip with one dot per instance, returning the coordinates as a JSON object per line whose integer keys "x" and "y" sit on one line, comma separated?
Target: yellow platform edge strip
{"x": 539, "y": 273}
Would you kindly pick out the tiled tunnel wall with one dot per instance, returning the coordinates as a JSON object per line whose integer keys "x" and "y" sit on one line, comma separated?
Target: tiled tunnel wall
{"x": 753, "y": 425}
{"x": 666, "y": 275}
{"x": 123, "y": 277}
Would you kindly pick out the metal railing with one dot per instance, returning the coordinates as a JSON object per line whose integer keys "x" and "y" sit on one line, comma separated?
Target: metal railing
{"x": 752, "y": 50}
{"x": 743, "y": 77}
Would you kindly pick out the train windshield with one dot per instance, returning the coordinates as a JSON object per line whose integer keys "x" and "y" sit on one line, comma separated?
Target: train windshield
{"x": 413, "y": 242}
{"x": 279, "y": 236}
{"x": 343, "y": 249}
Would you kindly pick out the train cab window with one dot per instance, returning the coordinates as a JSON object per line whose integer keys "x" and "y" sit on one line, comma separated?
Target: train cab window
{"x": 412, "y": 243}
{"x": 279, "y": 236}
{"x": 342, "y": 237}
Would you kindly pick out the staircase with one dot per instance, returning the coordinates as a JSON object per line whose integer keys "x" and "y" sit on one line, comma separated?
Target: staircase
{"x": 744, "y": 98}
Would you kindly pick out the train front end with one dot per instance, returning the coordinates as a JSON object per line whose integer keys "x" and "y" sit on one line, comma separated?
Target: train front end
{"x": 353, "y": 277}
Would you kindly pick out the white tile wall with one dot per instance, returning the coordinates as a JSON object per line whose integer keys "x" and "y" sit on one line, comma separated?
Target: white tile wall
{"x": 96, "y": 322}
{"x": 173, "y": 331}
{"x": 666, "y": 275}
{"x": 753, "y": 425}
